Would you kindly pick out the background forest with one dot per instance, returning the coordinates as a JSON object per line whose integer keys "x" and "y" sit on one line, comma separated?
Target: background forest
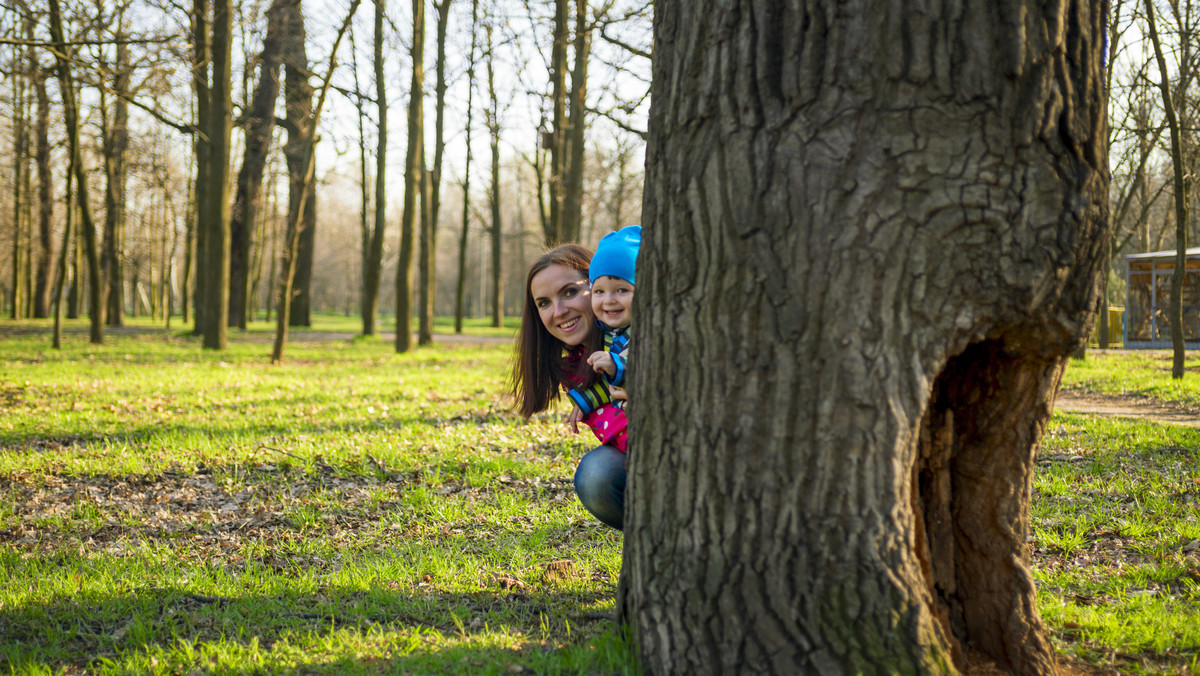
{"x": 513, "y": 124}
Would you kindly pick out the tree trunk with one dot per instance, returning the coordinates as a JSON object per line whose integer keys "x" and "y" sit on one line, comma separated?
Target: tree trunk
{"x": 61, "y": 274}
{"x": 434, "y": 177}
{"x": 414, "y": 164}
{"x": 1181, "y": 201}
{"x": 116, "y": 146}
{"x": 46, "y": 267}
{"x": 298, "y": 92}
{"x": 214, "y": 225}
{"x": 20, "y": 165}
{"x": 373, "y": 264}
{"x": 461, "y": 287}
{"x": 558, "y": 106}
{"x": 572, "y": 227}
{"x": 497, "y": 230}
{"x": 260, "y": 128}
{"x": 87, "y": 224}
{"x": 880, "y": 247}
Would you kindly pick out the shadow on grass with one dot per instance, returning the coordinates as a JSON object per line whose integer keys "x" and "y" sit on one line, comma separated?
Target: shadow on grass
{"x": 335, "y": 630}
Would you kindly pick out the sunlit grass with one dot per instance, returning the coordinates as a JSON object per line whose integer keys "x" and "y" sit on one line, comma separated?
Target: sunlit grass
{"x": 165, "y": 508}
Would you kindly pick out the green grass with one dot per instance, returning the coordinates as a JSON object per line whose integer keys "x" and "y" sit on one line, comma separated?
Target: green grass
{"x": 1116, "y": 523}
{"x": 166, "y": 509}
{"x": 1143, "y": 373}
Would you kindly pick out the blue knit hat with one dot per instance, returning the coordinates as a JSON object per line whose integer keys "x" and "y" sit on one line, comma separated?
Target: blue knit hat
{"x": 616, "y": 255}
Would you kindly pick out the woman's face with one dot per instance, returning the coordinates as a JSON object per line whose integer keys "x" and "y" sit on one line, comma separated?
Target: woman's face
{"x": 563, "y": 302}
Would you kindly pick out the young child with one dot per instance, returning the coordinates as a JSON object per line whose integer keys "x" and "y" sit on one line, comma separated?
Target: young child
{"x": 612, "y": 274}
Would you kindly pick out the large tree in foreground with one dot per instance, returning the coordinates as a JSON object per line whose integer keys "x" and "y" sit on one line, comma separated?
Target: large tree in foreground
{"x": 873, "y": 236}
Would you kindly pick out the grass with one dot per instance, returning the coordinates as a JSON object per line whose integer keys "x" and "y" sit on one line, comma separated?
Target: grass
{"x": 1116, "y": 533}
{"x": 167, "y": 509}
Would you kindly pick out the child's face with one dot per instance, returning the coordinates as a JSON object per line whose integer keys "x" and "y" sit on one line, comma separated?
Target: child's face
{"x": 612, "y": 299}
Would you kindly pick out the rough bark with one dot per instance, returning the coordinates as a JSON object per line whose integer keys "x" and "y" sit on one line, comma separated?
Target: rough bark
{"x": 260, "y": 128}
{"x": 298, "y": 93}
{"x": 414, "y": 166}
{"x": 872, "y": 239}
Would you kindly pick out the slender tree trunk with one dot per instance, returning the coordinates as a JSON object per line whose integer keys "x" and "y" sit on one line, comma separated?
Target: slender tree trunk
{"x": 497, "y": 231}
{"x": 74, "y": 292}
{"x": 460, "y": 290}
{"x": 573, "y": 190}
{"x": 871, "y": 310}
{"x": 364, "y": 194}
{"x": 298, "y": 209}
{"x": 201, "y": 68}
{"x": 298, "y": 92}
{"x": 61, "y": 274}
{"x": 373, "y": 263}
{"x": 116, "y": 146}
{"x": 414, "y": 164}
{"x": 46, "y": 267}
{"x": 20, "y": 163}
{"x": 260, "y": 129}
{"x": 66, "y": 86}
{"x": 558, "y": 105}
{"x": 430, "y": 224}
{"x": 1181, "y": 201}
{"x": 215, "y": 225}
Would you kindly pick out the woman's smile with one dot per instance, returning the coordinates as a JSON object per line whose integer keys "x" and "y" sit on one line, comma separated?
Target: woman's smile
{"x": 563, "y": 302}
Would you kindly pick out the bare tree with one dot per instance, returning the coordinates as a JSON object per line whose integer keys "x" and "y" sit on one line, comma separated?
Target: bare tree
{"x": 259, "y": 125}
{"x": 460, "y": 289}
{"x": 496, "y": 230}
{"x": 66, "y": 86}
{"x": 414, "y": 168}
{"x": 1182, "y": 187}
{"x": 428, "y": 266}
{"x": 297, "y": 210}
{"x": 45, "y": 267}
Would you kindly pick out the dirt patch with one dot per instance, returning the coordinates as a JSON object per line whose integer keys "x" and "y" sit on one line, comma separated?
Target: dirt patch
{"x": 1138, "y": 408}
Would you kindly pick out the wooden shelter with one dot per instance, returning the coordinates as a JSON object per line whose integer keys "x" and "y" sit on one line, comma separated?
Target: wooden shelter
{"x": 1148, "y": 299}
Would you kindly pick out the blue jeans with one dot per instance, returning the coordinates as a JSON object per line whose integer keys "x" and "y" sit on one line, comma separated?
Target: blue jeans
{"x": 600, "y": 484}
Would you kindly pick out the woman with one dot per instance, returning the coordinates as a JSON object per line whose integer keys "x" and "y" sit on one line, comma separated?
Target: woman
{"x": 558, "y": 332}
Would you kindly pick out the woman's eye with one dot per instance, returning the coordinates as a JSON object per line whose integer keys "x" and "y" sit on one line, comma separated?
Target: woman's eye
{"x": 571, "y": 292}
{"x": 542, "y": 304}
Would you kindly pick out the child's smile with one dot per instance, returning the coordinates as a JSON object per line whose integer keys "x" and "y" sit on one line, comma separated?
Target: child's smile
{"x": 612, "y": 299}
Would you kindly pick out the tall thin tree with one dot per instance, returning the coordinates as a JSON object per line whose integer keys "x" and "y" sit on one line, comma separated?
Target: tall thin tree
{"x": 414, "y": 167}
{"x": 460, "y": 287}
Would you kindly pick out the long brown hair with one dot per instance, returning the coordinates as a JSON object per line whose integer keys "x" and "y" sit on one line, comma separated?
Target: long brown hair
{"x": 538, "y": 368}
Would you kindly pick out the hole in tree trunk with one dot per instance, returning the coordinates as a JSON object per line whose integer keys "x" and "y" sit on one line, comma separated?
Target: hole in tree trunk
{"x": 971, "y": 486}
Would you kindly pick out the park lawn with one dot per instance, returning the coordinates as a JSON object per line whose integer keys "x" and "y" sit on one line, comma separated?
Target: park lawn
{"x": 167, "y": 509}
